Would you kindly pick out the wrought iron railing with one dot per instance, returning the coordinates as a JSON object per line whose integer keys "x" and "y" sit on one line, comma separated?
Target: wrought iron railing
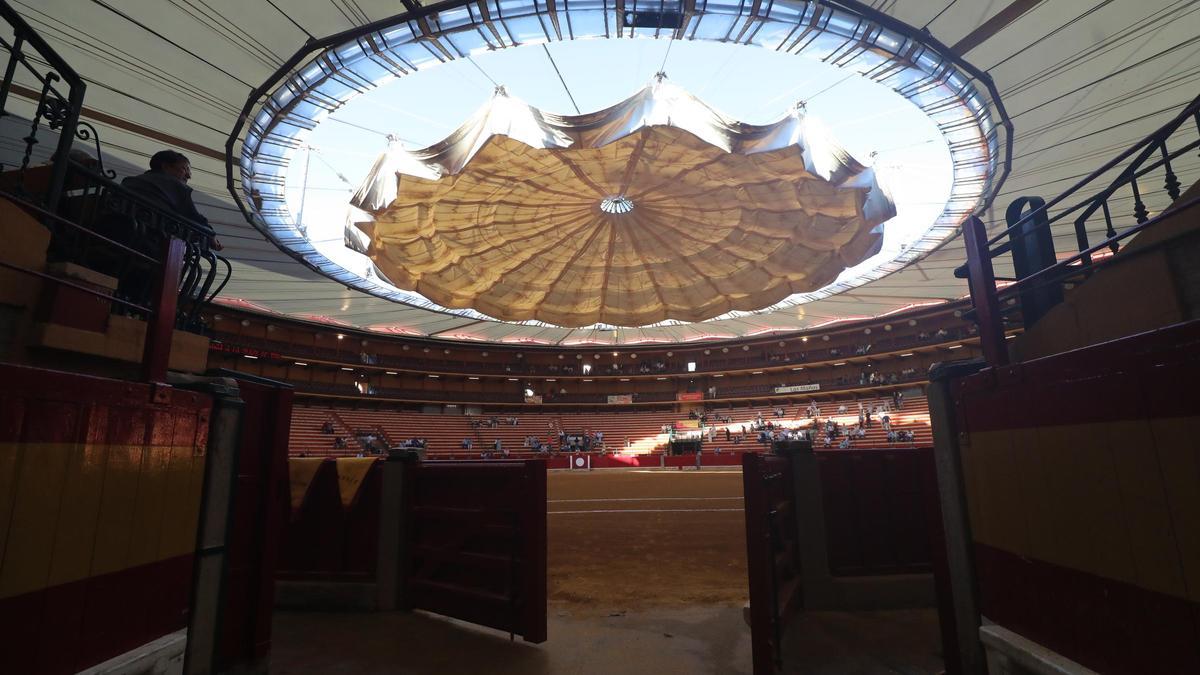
{"x": 1129, "y": 192}
{"x": 57, "y": 98}
{"x": 94, "y": 221}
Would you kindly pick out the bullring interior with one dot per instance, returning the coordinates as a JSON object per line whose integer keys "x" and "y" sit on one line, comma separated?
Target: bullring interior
{"x": 600, "y": 336}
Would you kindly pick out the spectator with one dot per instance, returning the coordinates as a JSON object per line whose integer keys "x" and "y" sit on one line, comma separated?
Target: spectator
{"x": 165, "y": 186}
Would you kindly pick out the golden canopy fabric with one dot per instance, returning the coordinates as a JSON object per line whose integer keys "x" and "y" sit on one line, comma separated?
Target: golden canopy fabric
{"x": 656, "y": 208}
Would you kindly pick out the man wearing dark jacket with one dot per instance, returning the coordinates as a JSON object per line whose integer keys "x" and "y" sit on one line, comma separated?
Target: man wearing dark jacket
{"x": 165, "y": 186}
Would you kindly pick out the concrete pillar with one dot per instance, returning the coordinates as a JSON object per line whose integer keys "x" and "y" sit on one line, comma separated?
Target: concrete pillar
{"x": 809, "y": 508}
{"x": 389, "y": 568}
{"x": 202, "y": 653}
{"x": 955, "y": 522}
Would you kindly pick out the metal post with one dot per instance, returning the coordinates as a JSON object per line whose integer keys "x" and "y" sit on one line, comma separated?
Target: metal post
{"x": 960, "y": 558}
{"x": 809, "y": 507}
{"x": 983, "y": 292}
{"x": 203, "y": 651}
{"x": 393, "y": 535}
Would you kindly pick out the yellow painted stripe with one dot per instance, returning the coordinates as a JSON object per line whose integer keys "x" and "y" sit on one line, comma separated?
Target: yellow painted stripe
{"x": 75, "y": 510}
{"x": 1117, "y": 499}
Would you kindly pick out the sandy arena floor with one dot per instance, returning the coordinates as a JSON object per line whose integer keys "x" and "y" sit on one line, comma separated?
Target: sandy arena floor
{"x": 647, "y": 575}
{"x": 635, "y": 539}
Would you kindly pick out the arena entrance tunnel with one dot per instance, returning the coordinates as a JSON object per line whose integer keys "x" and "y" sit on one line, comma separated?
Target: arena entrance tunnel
{"x": 639, "y": 552}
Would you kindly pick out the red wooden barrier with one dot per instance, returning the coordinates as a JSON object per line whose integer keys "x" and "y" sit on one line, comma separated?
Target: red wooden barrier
{"x": 324, "y": 540}
{"x": 477, "y": 539}
{"x": 876, "y": 515}
{"x": 99, "y": 495}
{"x": 772, "y": 554}
{"x": 259, "y": 515}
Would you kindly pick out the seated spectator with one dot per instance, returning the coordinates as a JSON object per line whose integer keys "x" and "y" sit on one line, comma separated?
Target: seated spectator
{"x": 327, "y": 427}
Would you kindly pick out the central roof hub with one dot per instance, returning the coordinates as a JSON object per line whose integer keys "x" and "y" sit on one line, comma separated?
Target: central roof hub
{"x": 616, "y": 204}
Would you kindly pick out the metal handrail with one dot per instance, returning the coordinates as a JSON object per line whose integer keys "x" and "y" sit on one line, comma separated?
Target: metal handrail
{"x": 1036, "y": 284}
{"x": 60, "y": 112}
{"x": 1155, "y": 141}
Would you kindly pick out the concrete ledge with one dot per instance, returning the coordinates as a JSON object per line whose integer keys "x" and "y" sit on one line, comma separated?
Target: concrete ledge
{"x": 327, "y": 595}
{"x": 163, "y": 656}
{"x": 1011, "y": 654}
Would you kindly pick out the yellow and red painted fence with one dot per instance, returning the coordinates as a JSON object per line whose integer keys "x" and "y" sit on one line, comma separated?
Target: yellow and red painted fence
{"x": 100, "y": 490}
{"x": 1082, "y": 474}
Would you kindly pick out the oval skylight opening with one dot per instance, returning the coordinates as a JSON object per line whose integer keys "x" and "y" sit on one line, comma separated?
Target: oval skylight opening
{"x": 753, "y": 85}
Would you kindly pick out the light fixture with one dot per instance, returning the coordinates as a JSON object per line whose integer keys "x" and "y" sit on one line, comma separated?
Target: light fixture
{"x": 955, "y": 347}
{"x": 249, "y": 357}
{"x": 434, "y": 377}
{"x": 345, "y": 368}
{"x": 472, "y": 378}
{"x": 840, "y": 363}
{"x": 908, "y": 354}
{"x": 300, "y": 363}
{"x": 392, "y": 372}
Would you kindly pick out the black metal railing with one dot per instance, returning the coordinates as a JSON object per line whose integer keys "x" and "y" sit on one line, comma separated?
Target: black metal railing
{"x": 56, "y": 96}
{"x": 1128, "y": 196}
{"x": 166, "y": 265}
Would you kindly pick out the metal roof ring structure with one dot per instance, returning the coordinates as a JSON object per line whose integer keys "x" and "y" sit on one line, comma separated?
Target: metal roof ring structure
{"x": 327, "y": 73}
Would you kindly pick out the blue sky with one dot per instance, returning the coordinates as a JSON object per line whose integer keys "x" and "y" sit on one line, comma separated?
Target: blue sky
{"x": 748, "y": 83}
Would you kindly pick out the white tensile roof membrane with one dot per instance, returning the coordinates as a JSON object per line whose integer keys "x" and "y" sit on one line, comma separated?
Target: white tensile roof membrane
{"x": 1080, "y": 81}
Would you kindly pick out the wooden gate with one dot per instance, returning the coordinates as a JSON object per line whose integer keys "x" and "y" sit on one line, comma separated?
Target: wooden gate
{"x": 772, "y": 554}
{"x": 477, "y": 543}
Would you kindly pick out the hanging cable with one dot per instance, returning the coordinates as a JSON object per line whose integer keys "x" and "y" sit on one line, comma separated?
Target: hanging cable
{"x": 287, "y": 16}
{"x": 663, "y": 67}
{"x": 139, "y": 24}
{"x": 846, "y": 77}
{"x": 938, "y": 15}
{"x": 560, "y": 79}
{"x": 481, "y": 70}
